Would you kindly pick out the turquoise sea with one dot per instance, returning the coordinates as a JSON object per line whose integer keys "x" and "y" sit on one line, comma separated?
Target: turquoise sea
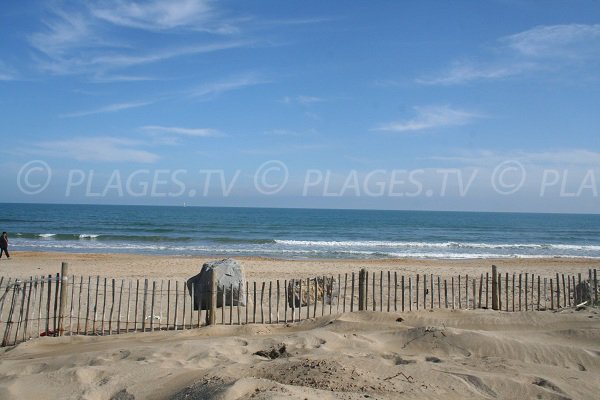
{"x": 298, "y": 233}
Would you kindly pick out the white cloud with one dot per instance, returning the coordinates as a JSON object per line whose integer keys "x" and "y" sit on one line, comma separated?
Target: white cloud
{"x": 108, "y": 109}
{"x": 290, "y": 133}
{"x": 462, "y": 72}
{"x": 7, "y": 73}
{"x": 86, "y": 38}
{"x": 302, "y": 100}
{"x": 160, "y": 15}
{"x": 563, "y": 157}
{"x": 542, "y": 48}
{"x": 104, "y": 149}
{"x": 197, "y": 132}
{"x": 430, "y": 117}
{"x": 216, "y": 88}
{"x": 573, "y": 40}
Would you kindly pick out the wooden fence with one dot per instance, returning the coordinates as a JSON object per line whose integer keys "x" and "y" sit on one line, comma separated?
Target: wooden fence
{"x": 76, "y": 305}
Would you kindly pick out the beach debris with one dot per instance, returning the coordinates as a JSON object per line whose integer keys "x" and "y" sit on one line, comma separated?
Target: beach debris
{"x": 273, "y": 353}
{"x": 298, "y": 296}
{"x": 229, "y": 274}
{"x": 123, "y": 395}
{"x": 583, "y": 292}
{"x": 157, "y": 317}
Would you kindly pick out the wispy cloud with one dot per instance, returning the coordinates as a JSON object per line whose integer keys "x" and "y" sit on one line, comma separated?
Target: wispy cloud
{"x": 102, "y": 149}
{"x": 430, "y": 117}
{"x": 85, "y": 38}
{"x": 157, "y": 15}
{"x": 212, "y": 89}
{"x": 548, "y": 158}
{"x": 7, "y": 73}
{"x": 290, "y": 133}
{"x": 464, "y": 72}
{"x": 542, "y": 48}
{"x": 108, "y": 109}
{"x": 196, "y": 132}
{"x": 572, "y": 40}
{"x": 302, "y": 100}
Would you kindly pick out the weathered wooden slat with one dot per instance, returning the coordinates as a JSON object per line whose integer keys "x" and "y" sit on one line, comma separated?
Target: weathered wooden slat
{"x": 175, "y": 319}
{"x": 230, "y": 304}
{"x": 352, "y": 296}
{"x": 254, "y": 305}
{"x": 30, "y": 309}
{"x": 345, "y": 291}
{"x": 152, "y": 306}
{"x": 48, "y": 303}
{"x": 557, "y": 292}
{"x": 128, "y": 306}
{"x": 467, "y": 292}
{"x": 459, "y": 294}
{"x": 169, "y": 303}
{"x": 270, "y": 310}
{"x": 103, "y": 305}
{"x": 184, "y": 302}
{"x": 56, "y": 301}
{"x": 239, "y": 320}
{"x": 487, "y": 289}
{"x": 432, "y": 292}
{"x": 277, "y": 301}
{"x": 564, "y": 290}
{"x": 112, "y": 307}
{"x": 481, "y": 290}
{"x": 410, "y": 302}
{"x": 223, "y": 305}
{"x": 402, "y": 291}
{"x": 285, "y": 301}
{"x": 144, "y": 303}
{"x": 551, "y": 295}
{"x": 417, "y": 292}
{"x": 446, "y": 293}
{"x": 72, "y": 305}
{"x": 308, "y": 298}
{"x": 79, "y": 305}
{"x": 87, "y": 307}
{"x": 137, "y": 295}
{"x": 453, "y": 298}
{"x": 439, "y": 287}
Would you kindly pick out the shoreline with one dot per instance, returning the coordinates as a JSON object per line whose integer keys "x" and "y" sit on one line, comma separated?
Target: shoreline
{"x": 24, "y": 264}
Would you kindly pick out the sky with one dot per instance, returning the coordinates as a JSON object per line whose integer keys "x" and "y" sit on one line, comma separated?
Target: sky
{"x": 434, "y": 105}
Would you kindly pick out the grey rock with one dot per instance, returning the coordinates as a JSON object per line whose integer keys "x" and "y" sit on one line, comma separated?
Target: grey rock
{"x": 230, "y": 275}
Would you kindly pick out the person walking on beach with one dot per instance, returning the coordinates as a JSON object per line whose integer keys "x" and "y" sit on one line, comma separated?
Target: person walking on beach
{"x": 4, "y": 245}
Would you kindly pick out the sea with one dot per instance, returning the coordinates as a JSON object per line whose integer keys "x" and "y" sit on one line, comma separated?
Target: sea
{"x": 298, "y": 233}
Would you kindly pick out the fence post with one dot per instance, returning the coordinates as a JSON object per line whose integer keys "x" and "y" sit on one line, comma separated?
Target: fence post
{"x": 64, "y": 284}
{"x": 213, "y": 298}
{"x": 494, "y": 287}
{"x": 362, "y": 301}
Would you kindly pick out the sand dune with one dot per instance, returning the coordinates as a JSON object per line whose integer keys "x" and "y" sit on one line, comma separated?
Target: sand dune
{"x": 440, "y": 354}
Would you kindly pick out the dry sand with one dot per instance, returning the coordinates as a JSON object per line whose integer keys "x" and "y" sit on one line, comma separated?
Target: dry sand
{"x": 441, "y": 354}
{"x": 26, "y": 264}
{"x": 425, "y": 354}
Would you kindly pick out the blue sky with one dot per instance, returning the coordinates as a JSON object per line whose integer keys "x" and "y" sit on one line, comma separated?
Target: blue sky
{"x": 344, "y": 88}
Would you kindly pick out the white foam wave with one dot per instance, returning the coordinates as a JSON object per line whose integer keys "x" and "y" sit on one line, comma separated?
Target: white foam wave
{"x": 87, "y": 236}
{"x": 46, "y": 235}
{"x": 435, "y": 245}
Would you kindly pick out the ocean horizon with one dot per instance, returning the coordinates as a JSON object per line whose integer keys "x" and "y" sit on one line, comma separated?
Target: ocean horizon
{"x": 297, "y": 233}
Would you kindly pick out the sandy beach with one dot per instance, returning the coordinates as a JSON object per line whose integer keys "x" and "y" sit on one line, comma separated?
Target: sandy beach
{"x": 26, "y": 264}
{"x": 449, "y": 354}
{"x": 456, "y": 354}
